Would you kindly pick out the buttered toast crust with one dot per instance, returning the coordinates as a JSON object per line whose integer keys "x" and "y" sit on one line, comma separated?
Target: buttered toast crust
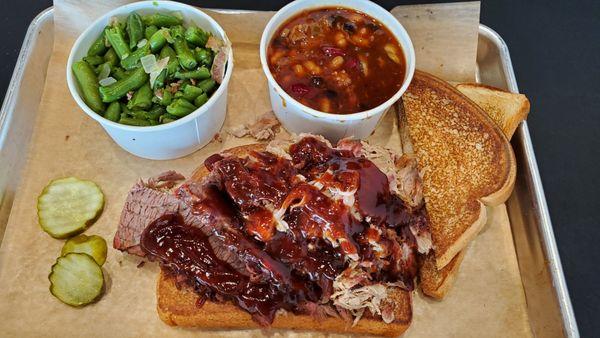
{"x": 505, "y": 108}
{"x": 179, "y": 307}
{"x": 436, "y": 282}
{"x": 465, "y": 159}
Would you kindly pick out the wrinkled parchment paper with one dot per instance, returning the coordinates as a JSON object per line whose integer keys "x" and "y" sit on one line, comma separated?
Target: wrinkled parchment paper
{"x": 487, "y": 299}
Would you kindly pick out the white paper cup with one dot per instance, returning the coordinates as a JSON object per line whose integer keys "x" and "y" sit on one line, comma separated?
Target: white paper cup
{"x": 298, "y": 118}
{"x": 171, "y": 140}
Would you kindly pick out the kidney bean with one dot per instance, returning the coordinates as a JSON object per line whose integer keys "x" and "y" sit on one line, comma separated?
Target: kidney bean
{"x": 300, "y": 89}
{"x": 351, "y": 63}
{"x": 333, "y": 51}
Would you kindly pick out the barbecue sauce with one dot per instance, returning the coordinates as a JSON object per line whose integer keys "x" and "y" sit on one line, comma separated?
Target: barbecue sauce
{"x": 185, "y": 250}
{"x": 321, "y": 233}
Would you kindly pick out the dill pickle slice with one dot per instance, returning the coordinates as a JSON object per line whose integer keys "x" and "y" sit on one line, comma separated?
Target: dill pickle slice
{"x": 76, "y": 279}
{"x": 94, "y": 245}
{"x": 67, "y": 206}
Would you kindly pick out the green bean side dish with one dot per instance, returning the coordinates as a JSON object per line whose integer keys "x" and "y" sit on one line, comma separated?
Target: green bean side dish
{"x": 149, "y": 70}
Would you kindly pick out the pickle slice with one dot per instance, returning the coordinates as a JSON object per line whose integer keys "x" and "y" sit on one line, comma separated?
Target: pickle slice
{"x": 68, "y": 205}
{"x": 76, "y": 279}
{"x": 94, "y": 245}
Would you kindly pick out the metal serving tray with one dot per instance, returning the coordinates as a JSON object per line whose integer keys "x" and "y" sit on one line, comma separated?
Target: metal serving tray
{"x": 549, "y": 306}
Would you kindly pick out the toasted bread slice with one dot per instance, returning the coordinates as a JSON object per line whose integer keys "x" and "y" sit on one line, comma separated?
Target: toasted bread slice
{"x": 178, "y": 306}
{"x": 505, "y": 108}
{"x": 436, "y": 282}
{"x": 465, "y": 160}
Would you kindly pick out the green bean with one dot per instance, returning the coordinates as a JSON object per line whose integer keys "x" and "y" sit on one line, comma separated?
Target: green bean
{"x": 161, "y": 20}
{"x": 124, "y": 110}
{"x": 103, "y": 70}
{"x": 166, "y": 98}
{"x": 150, "y": 30}
{"x": 142, "y": 98}
{"x": 196, "y": 36}
{"x": 144, "y": 116}
{"x": 88, "y": 84}
{"x": 158, "y": 40}
{"x": 184, "y": 54}
{"x": 159, "y": 82}
{"x": 155, "y": 112}
{"x": 111, "y": 57}
{"x": 200, "y": 100}
{"x": 117, "y": 90}
{"x": 98, "y": 47}
{"x": 134, "y": 122}
{"x": 173, "y": 64}
{"x": 115, "y": 37}
{"x": 118, "y": 73}
{"x": 113, "y": 112}
{"x": 203, "y": 56}
{"x": 166, "y": 118}
{"x": 198, "y": 74}
{"x": 191, "y": 92}
{"x": 135, "y": 29}
{"x": 180, "y": 107}
{"x": 133, "y": 60}
{"x": 94, "y": 60}
{"x": 138, "y": 114}
{"x": 207, "y": 85}
{"x": 177, "y": 32}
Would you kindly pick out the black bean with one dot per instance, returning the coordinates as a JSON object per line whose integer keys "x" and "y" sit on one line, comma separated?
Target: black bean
{"x": 350, "y": 27}
{"x": 339, "y": 21}
{"x": 317, "y": 81}
{"x": 279, "y": 42}
{"x": 331, "y": 94}
{"x": 372, "y": 26}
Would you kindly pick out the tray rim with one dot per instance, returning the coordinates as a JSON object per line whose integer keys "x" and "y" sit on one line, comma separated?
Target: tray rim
{"x": 17, "y": 76}
{"x": 545, "y": 225}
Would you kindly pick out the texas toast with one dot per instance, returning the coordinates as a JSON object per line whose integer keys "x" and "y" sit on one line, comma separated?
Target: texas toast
{"x": 465, "y": 160}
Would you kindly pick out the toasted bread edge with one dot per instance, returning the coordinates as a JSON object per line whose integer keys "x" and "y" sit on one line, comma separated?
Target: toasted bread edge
{"x": 509, "y": 120}
{"x": 435, "y": 282}
{"x": 179, "y": 307}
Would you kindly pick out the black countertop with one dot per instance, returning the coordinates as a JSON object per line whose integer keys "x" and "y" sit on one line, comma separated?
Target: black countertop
{"x": 553, "y": 46}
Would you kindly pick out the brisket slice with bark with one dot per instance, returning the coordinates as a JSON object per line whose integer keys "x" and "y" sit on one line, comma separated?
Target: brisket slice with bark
{"x": 202, "y": 206}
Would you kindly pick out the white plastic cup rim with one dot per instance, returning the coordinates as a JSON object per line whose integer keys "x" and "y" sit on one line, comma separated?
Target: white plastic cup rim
{"x": 167, "y": 5}
{"x": 376, "y": 12}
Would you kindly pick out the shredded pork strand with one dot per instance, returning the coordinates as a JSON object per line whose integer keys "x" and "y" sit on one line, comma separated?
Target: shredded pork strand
{"x": 264, "y": 127}
{"x": 353, "y": 293}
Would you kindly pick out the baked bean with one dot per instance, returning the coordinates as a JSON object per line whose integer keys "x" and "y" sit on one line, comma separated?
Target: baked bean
{"x": 360, "y": 41}
{"x": 340, "y": 40}
{"x": 312, "y": 67}
{"x": 276, "y": 56}
{"x": 392, "y": 52}
{"x": 337, "y": 62}
{"x": 325, "y": 105}
{"x": 364, "y": 64}
{"x": 299, "y": 70}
